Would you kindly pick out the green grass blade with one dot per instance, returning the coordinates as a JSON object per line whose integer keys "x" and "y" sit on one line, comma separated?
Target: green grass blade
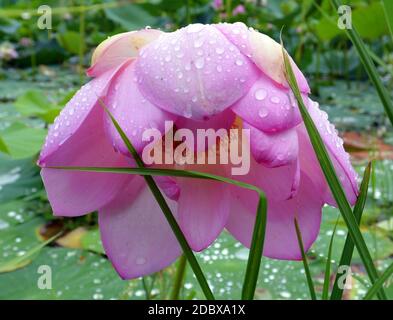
{"x": 331, "y": 177}
{"x": 379, "y": 283}
{"x": 22, "y": 261}
{"x": 180, "y": 273}
{"x": 256, "y": 249}
{"x": 167, "y": 212}
{"x": 326, "y": 282}
{"x": 388, "y": 9}
{"x": 305, "y": 263}
{"x": 258, "y": 237}
{"x": 346, "y": 255}
{"x": 370, "y": 67}
{"x": 253, "y": 264}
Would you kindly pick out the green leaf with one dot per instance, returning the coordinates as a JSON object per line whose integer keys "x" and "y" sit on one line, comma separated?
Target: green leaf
{"x": 25, "y": 259}
{"x": 71, "y": 41}
{"x": 330, "y": 175}
{"x": 379, "y": 283}
{"x": 17, "y": 178}
{"x": 326, "y": 282}
{"x": 3, "y": 147}
{"x": 349, "y": 246}
{"x": 23, "y": 141}
{"x": 370, "y": 68}
{"x": 305, "y": 263}
{"x": 388, "y": 10}
{"x": 32, "y": 103}
{"x": 131, "y": 17}
{"x": 91, "y": 241}
{"x": 76, "y": 274}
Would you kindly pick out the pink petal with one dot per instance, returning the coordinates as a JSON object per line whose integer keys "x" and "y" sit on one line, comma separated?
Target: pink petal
{"x": 264, "y": 51}
{"x": 194, "y": 72}
{"x": 280, "y": 183}
{"x": 119, "y": 48}
{"x": 203, "y": 209}
{"x": 132, "y": 111}
{"x": 338, "y": 155}
{"x": 268, "y": 107}
{"x": 280, "y": 241}
{"x": 135, "y": 234}
{"x": 223, "y": 120}
{"x": 273, "y": 150}
{"x": 75, "y": 113}
{"x": 73, "y": 193}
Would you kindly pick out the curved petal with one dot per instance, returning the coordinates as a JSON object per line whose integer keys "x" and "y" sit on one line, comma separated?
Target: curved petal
{"x": 135, "y": 234}
{"x": 273, "y": 150}
{"x": 75, "y": 113}
{"x": 119, "y": 48}
{"x": 211, "y": 127}
{"x": 264, "y": 51}
{"x": 280, "y": 240}
{"x": 194, "y": 72}
{"x": 269, "y": 107}
{"x": 73, "y": 193}
{"x": 203, "y": 210}
{"x": 133, "y": 112}
{"x": 338, "y": 155}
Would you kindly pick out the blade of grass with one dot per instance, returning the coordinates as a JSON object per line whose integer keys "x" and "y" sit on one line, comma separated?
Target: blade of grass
{"x": 346, "y": 255}
{"x": 379, "y": 283}
{"x": 330, "y": 175}
{"x": 166, "y": 210}
{"x": 326, "y": 282}
{"x": 180, "y": 273}
{"x": 258, "y": 237}
{"x": 388, "y": 9}
{"x": 259, "y": 227}
{"x": 370, "y": 67}
{"x": 305, "y": 263}
{"x": 22, "y": 261}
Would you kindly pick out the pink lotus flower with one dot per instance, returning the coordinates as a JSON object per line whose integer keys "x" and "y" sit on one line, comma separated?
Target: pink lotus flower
{"x": 201, "y": 76}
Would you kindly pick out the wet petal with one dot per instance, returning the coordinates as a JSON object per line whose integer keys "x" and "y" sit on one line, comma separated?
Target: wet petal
{"x": 264, "y": 51}
{"x": 73, "y": 193}
{"x": 119, "y": 48}
{"x": 280, "y": 241}
{"x": 273, "y": 150}
{"x": 75, "y": 113}
{"x": 194, "y": 72}
{"x": 135, "y": 234}
{"x": 338, "y": 155}
{"x": 268, "y": 107}
{"x": 203, "y": 209}
{"x": 134, "y": 113}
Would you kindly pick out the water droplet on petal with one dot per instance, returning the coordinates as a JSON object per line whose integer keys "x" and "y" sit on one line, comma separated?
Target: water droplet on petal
{"x": 260, "y": 94}
{"x": 198, "y": 42}
{"x": 275, "y": 100}
{"x": 263, "y": 112}
{"x": 199, "y": 63}
{"x": 140, "y": 260}
{"x": 220, "y": 50}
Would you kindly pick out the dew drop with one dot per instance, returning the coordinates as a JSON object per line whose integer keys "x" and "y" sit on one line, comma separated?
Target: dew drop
{"x": 263, "y": 113}
{"x": 260, "y": 94}
{"x": 140, "y": 260}
{"x": 198, "y": 43}
{"x": 219, "y": 68}
{"x": 220, "y": 50}
{"x": 275, "y": 100}
{"x": 199, "y": 63}
{"x": 239, "y": 62}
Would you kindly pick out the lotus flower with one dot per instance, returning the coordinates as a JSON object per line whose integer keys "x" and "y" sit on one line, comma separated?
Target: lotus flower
{"x": 200, "y": 76}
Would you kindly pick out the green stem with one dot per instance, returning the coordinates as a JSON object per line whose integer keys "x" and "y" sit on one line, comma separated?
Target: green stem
{"x": 180, "y": 273}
